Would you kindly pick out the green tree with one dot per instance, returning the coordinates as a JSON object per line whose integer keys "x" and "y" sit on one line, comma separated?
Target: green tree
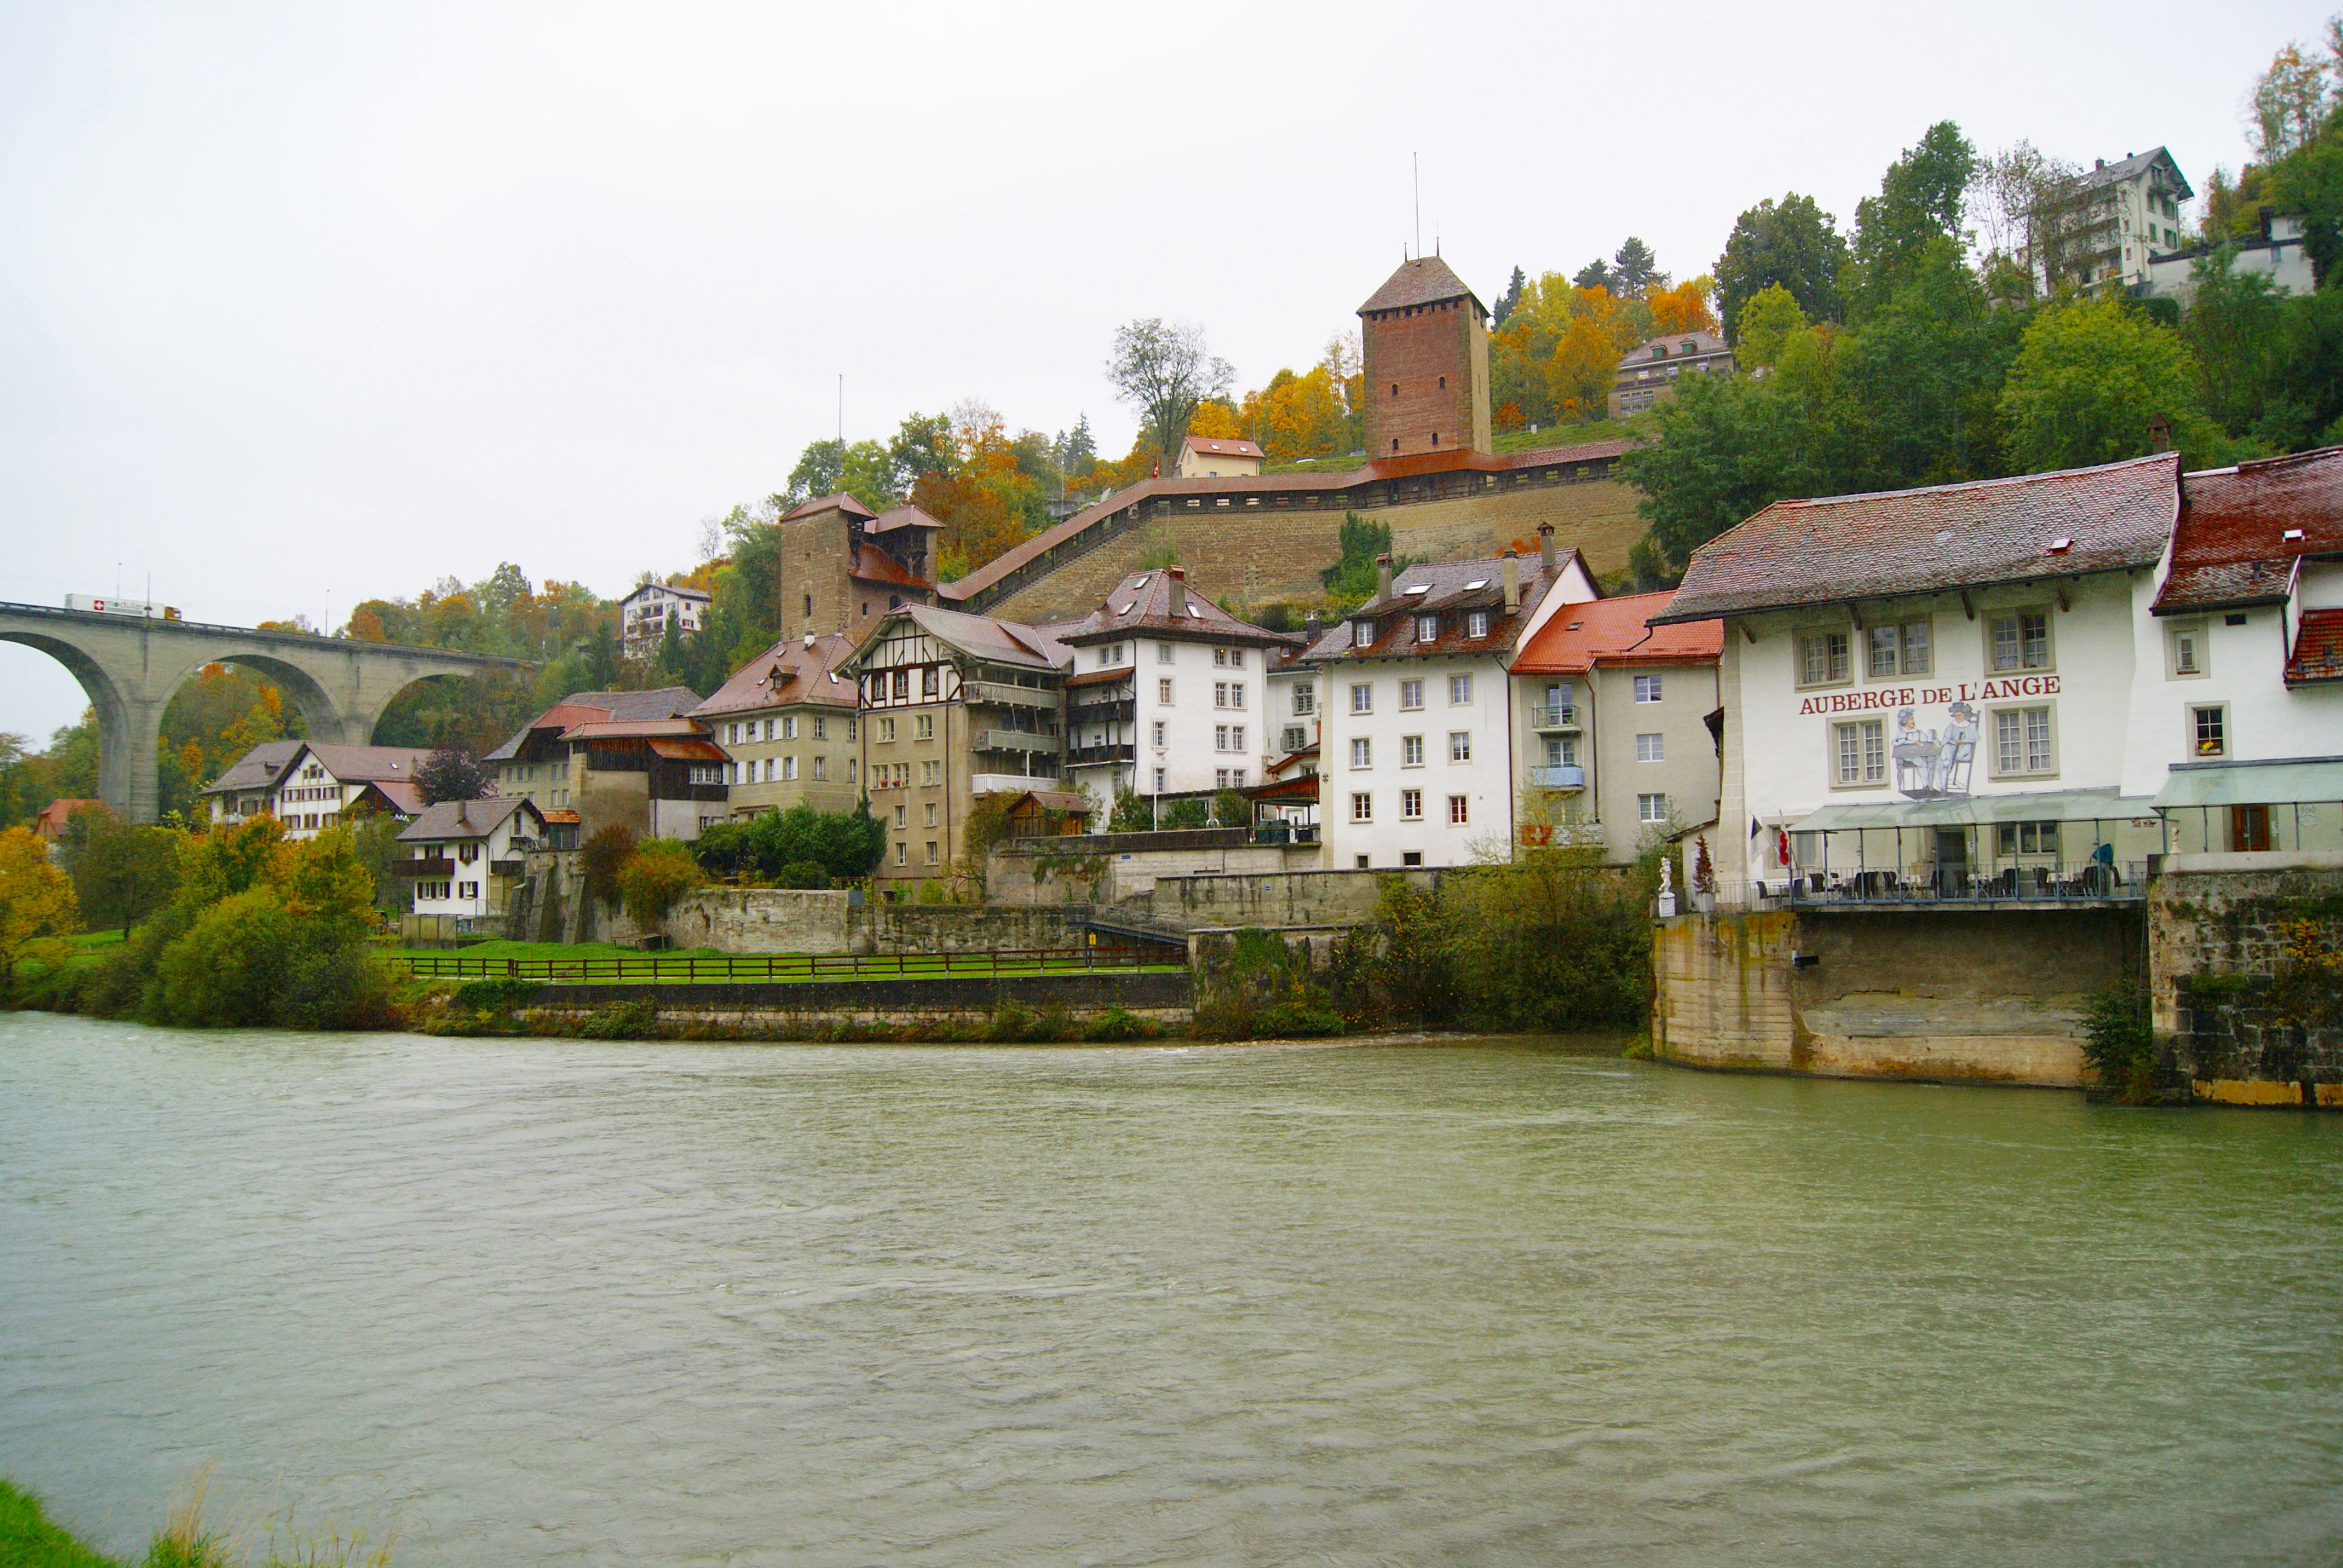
{"x": 1768, "y": 317}
{"x": 2309, "y": 184}
{"x": 654, "y": 878}
{"x": 1639, "y": 269}
{"x": 1920, "y": 382}
{"x": 1508, "y": 301}
{"x": 1793, "y": 242}
{"x": 1919, "y": 201}
{"x": 36, "y": 899}
{"x": 2085, "y": 383}
{"x": 1164, "y": 370}
{"x": 122, "y": 874}
{"x": 453, "y": 773}
{"x": 1131, "y": 813}
{"x": 2235, "y": 329}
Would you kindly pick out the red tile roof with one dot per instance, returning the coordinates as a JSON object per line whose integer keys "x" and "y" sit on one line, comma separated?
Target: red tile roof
{"x": 1424, "y": 280}
{"x": 1890, "y": 543}
{"x": 688, "y": 750}
{"x": 841, "y": 502}
{"x": 1223, "y": 446}
{"x": 1450, "y": 588}
{"x": 1576, "y": 638}
{"x": 2231, "y": 548}
{"x": 903, "y": 516}
{"x": 789, "y": 673}
{"x": 2318, "y": 649}
{"x": 1162, "y": 602}
{"x": 601, "y": 708}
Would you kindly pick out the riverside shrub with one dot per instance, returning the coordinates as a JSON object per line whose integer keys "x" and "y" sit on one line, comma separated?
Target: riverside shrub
{"x": 653, "y": 878}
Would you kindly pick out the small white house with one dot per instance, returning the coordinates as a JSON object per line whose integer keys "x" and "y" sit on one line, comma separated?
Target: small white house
{"x": 1217, "y": 457}
{"x": 464, "y": 856}
{"x": 307, "y": 784}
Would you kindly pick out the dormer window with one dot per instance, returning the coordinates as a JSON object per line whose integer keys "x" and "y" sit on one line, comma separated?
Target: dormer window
{"x": 1427, "y": 628}
{"x": 1363, "y": 633}
{"x": 1476, "y": 624}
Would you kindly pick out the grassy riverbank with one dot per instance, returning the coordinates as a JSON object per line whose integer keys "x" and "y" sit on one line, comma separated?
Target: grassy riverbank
{"x": 30, "y": 1539}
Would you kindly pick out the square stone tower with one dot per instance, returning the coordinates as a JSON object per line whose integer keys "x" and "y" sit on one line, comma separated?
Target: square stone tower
{"x": 1424, "y": 341}
{"x": 819, "y": 542}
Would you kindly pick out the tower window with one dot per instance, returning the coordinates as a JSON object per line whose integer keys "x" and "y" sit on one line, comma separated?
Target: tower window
{"x": 808, "y": 598}
{"x": 1435, "y": 438}
{"x": 1394, "y": 389}
{"x": 1443, "y": 383}
{"x": 1394, "y": 443}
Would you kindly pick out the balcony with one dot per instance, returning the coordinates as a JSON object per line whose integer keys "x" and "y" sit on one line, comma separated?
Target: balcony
{"x": 1011, "y": 740}
{"x": 1093, "y": 755}
{"x": 1550, "y": 715}
{"x": 1122, "y": 710}
{"x": 436, "y": 866}
{"x": 1559, "y": 776}
{"x": 978, "y": 693}
{"x": 1954, "y": 886}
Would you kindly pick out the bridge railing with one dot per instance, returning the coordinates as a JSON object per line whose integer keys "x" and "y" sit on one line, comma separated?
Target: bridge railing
{"x": 692, "y": 970}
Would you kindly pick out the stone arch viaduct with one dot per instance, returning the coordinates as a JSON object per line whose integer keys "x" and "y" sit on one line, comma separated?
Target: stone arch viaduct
{"x": 131, "y": 668}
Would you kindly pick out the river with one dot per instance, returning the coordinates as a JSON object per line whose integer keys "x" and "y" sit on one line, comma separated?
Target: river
{"x": 577, "y": 1302}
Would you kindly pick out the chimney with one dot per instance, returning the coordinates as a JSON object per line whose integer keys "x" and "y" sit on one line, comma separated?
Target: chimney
{"x": 1382, "y": 577}
{"x": 1178, "y": 578}
{"x": 1513, "y": 564}
{"x": 2159, "y": 433}
{"x": 1312, "y": 626}
{"x": 1546, "y": 549}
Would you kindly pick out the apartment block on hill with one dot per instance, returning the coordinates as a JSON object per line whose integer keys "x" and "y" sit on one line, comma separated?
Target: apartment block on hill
{"x": 1650, "y": 371}
{"x": 788, "y": 722}
{"x": 2102, "y": 234}
{"x": 645, "y": 615}
{"x": 952, "y": 706}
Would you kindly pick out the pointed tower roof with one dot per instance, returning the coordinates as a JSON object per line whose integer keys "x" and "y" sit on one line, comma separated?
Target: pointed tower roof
{"x": 1425, "y": 280}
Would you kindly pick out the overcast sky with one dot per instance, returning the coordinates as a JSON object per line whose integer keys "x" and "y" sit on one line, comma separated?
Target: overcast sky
{"x": 305, "y": 304}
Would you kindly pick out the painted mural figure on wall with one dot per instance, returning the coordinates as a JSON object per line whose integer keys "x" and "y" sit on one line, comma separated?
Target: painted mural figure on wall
{"x": 1930, "y": 766}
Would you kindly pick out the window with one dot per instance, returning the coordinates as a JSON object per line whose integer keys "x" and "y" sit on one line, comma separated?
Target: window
{"x": 901, "y": 849}
{"x": 1560, "y": 751}
{"x": 851, "y": 765}
{"x": 1411, "y": 750}
{"x": 2209, "y": 730}
{"x": 731, "y": 735}
{"x": 1159, "y": 780}
{"x": 1162, "y": 733}
{"x": 2022, "y": 741}
{"x": 788, "y": 728}
{"x": 1362, "y": 807}
{"x": 820, "y": 768}
{"x": 931, "y": 681}
{"x": 931, "y": 851}
{"x": 1236, "y": 658}
{"x": 1219, "y": 738}
{"x": 899, "y": 811}
{"x": 2185, "y": 650}
{"x": 1410, "y": 857}
{"x": 931, "y": 771}
{"x": 886, "y": 729}
{"x": 1220, "y": 778}
{"x": 1220, "y": 694}
{"x": 1363, "y": 752}
{"x": 1363, "y": 633}
{"x": 1163, "y": 691}
{"x": 1427, "y": 628}
{"x": 923, "y": 727}
{"x": 1305, "y": 699}
{"x": 789, "y": 769}
{"x": 2028, "y": 838}
{"x": 1650, "y": 749}
{"x": 902, "y": 685}
{"x": 1476, "y": 623}
{"x": 1458, "y": 812}
{"x": 2019, "y": 640}
{"x": 820, "y": 728}
{"x": 1651, "y": 808}
{"x": 1411, "y": 805}
{"x": 1236, "y": 736}
{"x": 1362, "y": 697}
{"x": 1163, "y": 654}
{"x": 1860, "y": 752}
{"x": 1460, "y": 690}
{"x": 1411, "y": 695}
{"x": 1293, "y": 739}
{"x": 1647, "y": 689}
{"x": 930, "y": 814}
{"x": 1459, "y": 746}
{"x": 1823, "y": 658}
{"x": 849, "y": 728}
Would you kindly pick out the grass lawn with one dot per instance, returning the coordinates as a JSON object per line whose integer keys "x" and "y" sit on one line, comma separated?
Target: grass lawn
{"x": 27, "y": 1539}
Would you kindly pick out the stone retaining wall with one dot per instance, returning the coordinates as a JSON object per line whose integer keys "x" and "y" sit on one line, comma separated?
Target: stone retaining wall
{"x": 800, "y": 921}
{"x": 2241, "y": 1028}
{"x": 778, "y": 1008}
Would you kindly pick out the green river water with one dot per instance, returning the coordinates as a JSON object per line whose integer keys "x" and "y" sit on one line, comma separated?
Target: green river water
{"x": 564, "y": 1302}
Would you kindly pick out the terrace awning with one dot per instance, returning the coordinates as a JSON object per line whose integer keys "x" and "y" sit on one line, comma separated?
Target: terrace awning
{"x": 2047, "y": 806}
{"x": 2297, "y": 780}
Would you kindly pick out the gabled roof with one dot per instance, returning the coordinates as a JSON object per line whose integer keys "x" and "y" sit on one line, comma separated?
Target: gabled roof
{"x": 1616, "y": 631}
{"x": 2230, "y": 548}
{"x": 256, "y": 769}
{"x": 904, "y": 517}
{"x": 786, "y": 675}
{"x": 1220, "y": 446}
{"x": 1448, "y": 588}
{"x": 841, "y": 502}
{"x": 1424, "y": 280}
{"x": 2131, "y": 168}
{"x": 1882, "y": 545}
{"x": 403, "y": 796}
{"x": 634, "y": 730}
{"x": 1672, "y": 348}
{"x": 702, "y": 595}
{"x": 356, "y": 764}
{"x": 466, "y": 818}
{"x": 982, "y": 636}
{"x": 1161, "y": 602}
{"x": 601, "y": 708}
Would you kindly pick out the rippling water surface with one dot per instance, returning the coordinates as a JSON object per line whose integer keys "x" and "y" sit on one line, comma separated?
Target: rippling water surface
{"x": 577, "y": 1302}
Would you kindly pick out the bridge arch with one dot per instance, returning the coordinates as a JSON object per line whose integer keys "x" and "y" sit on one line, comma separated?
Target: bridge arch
{"x": 131, "y": 669}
